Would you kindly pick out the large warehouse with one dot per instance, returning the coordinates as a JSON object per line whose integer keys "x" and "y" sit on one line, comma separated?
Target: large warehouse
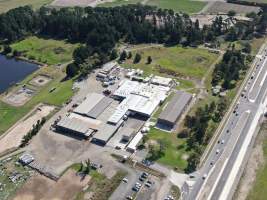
{"x": 140, "y": 98}
{"x": 174, "y": 109}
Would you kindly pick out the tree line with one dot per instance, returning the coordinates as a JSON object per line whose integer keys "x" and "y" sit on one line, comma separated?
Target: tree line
{"x": 99, "y": 29}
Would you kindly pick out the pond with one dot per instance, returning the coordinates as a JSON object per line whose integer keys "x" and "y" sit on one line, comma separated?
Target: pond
{"x": 13, "y": 71}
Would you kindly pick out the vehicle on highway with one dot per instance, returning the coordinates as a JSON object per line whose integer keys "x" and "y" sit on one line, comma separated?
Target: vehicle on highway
{"x": 204, "y": 176}
{"x": 217, "y": 151}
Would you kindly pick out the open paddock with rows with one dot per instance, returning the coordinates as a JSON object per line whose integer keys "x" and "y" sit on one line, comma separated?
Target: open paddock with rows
{"x": 223, "y": 7}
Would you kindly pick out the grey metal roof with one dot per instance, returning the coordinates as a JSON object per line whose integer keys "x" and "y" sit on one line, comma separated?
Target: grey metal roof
{"x": 105, "y": 132}
{"x": 89, "y": 103}
{"x": 175, "y": 107}
{"x": 75, "y": 124}
{"x": 99, "y": 107}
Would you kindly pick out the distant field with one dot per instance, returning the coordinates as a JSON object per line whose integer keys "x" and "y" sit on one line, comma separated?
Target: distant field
{"x": 177, "y": 5}
{"x": 175, "y": 153}
{"x": 6, "y": 5}
{"x": 10, "y": 115}
{"x": 186, "y": 62}
{"x": 46, "y": 50}
{"x": 119, "y": 3}
{"x": 257, "y": 1}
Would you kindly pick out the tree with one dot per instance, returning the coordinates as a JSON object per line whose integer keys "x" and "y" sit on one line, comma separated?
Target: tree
{"x": 231, "y": 13}
{"x": 72, "y": 70}
{"x": 137, "y": 58}
{"x": 129, "y": 55}
{"x": 123, "y": 56}
{"x": 114, "y": 54}
{"x": 247, "y": 48}
{"x": 193, "y": 161}
{"x": 149, "y": 60}
{"x": 87, "y": 166}
{"x": 7, "y": 49}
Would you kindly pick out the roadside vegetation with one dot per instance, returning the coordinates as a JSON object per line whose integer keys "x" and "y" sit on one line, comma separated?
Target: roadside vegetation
{"x": 258, "y": 190}
{"x": 43, "y": 50}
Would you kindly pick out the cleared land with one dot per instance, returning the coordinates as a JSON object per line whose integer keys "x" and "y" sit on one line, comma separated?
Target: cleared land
{"x": 40, "y": 187}
{"x": 178, "y": 6}
{"x": 47, "y": 51}
{"x": 6, "y": 5}
{"x": 14, "y": 137}
{"x": 175, "y": 154}
{"x": 10, "y": 114}
{"x": 223, "y": 7}
{"x": 174, "y": 61}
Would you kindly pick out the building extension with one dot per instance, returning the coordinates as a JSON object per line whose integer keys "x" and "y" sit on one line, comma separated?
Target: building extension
{"x": 174, "y": 109}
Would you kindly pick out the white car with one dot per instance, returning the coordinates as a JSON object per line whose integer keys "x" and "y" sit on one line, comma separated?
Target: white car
{"x": 125, "y": 180}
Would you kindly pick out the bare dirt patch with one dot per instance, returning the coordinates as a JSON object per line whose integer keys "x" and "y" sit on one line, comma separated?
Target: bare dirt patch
{"x": 13, "y": 137}
{"x": 40, "y": 80}
{"x": 42, "y": 188}
{"x": 19, "y": 97}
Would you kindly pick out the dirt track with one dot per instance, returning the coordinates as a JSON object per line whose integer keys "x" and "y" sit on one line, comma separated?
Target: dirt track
{"x": 13, "y": 137}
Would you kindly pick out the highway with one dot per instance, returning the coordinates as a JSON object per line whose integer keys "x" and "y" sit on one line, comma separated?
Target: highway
{"x": 219, "y": 175}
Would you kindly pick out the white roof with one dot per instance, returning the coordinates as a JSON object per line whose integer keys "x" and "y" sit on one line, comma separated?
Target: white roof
{"x": 135, "y": 141}
{"x": 108, "y": 66}
{"x": 126, "y": 88}
{"x": 161, "y": 80}
{"x": 139, "y": 97}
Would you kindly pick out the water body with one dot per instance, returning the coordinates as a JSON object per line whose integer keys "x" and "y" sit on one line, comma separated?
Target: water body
{"x": 13, "y": 71}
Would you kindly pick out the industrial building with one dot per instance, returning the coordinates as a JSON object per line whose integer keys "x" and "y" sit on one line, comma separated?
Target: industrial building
{"x": 138, "y": 98}
{"x": 133, "y": 144}
{"x": 74, "y": 126}
{"x": 93, "y": 105}
{"x": 174, "y": 109}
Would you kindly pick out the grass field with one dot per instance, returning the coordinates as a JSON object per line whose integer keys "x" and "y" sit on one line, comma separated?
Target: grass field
{"x": 179, "y": 5}
{"x": 10, "y": 115}
{"x": 175, "y": 152}
{"x": 187, "y": 6}
{"x": 45, "y": 50}
{"x": 6, "y": 5}
{"x": 119, "y": 3}
{"x": 259, "y": 188}
{"x": 179, "y": 61}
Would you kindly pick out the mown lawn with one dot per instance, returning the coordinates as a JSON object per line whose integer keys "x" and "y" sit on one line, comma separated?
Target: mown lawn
{"x": 174, "y": 61}
{"x": 175, "y": 152}
{"x": 10, "y": 115}
{"x": 47, "y": 51}
{"x": 6, "y": 5}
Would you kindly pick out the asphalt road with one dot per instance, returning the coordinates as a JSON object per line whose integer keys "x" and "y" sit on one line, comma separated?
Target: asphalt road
{"x": 217, "y": 177}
